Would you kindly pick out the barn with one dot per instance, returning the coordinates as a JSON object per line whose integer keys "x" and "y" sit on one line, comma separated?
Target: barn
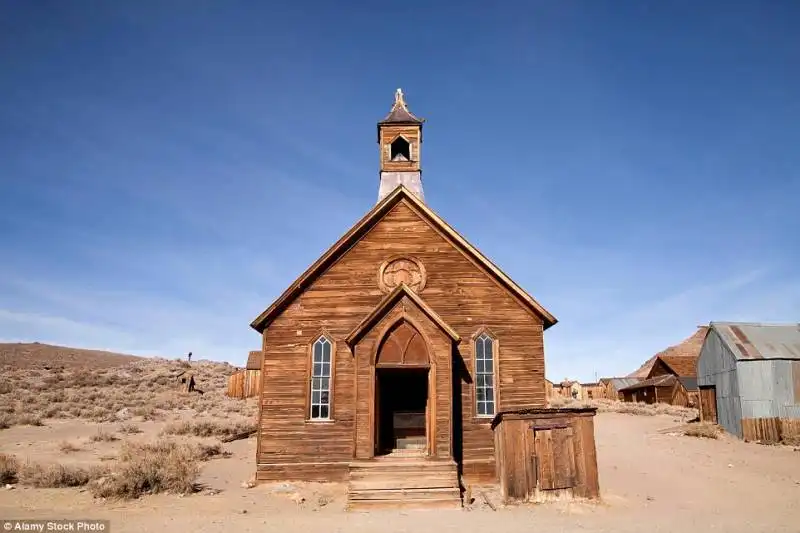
{"x": 749, "y": 379}
{"x": 388, "y": 360}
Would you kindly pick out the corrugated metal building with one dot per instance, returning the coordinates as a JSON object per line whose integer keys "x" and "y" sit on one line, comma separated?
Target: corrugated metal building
{"x": 749, "y": 379}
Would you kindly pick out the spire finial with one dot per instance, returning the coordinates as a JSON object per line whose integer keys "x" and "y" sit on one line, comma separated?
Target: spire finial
{"x": 399, "y": 100}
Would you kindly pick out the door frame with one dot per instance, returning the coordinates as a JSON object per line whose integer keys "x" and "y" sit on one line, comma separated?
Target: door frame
{"x": 429, "y": 405}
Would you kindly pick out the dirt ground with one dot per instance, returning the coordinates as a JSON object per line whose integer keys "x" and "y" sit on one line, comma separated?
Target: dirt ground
{"x": 662, "y": 481}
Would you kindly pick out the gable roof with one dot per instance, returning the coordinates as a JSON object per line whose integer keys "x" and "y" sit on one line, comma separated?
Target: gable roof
{"x": 362, "y": 227}
{"x": 681, "y": 366}
{"x": 666, "y": 380}
{"x": 254, "y": 360}
{"x": 689, "y": 347}
{"x": 386, "y": 304}
{"x": 621, "y": 383}
{"x": 760, "y": 341}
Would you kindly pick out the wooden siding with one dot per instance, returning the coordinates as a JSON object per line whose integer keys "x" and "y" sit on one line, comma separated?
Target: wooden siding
{"x": 412, "y": 134}
{"x": 457, "y": 289}
{"x": 244, "y": 384}
{"x": 547, "y": 455}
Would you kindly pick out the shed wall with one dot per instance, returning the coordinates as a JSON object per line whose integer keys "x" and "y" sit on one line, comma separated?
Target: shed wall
{"x": 767, "y": 387}
{"x": 717, "y": 367}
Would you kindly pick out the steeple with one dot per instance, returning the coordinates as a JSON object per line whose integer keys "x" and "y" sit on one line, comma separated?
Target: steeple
{"x": 400, "y": 138}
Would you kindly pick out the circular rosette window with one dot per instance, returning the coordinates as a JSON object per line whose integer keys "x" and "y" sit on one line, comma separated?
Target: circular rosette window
{"x": 408, "y": 270}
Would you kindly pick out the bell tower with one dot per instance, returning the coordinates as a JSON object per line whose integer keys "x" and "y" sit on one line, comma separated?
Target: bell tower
{"x": 400, "y": 138}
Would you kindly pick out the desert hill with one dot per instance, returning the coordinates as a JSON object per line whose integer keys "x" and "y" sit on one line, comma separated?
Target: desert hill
{"x": 689, "y": 347}
{"x": 38, "y": 355}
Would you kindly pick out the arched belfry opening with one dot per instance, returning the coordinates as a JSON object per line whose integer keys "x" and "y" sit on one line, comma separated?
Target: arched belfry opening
{"x": 400, "y": 150}
{"x": 402, "y": 368}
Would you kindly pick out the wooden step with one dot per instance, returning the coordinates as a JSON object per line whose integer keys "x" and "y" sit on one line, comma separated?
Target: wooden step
{"x": 409, "y": 482}
{"x": 368, "y": 505}
{"x": 412, "y": 494}
{"x": 391, "y": 482}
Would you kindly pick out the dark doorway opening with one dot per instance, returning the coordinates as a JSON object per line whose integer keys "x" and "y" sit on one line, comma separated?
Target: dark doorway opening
{"x": 401, "y": 398}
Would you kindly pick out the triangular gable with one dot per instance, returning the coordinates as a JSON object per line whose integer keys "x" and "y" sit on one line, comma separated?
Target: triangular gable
{"x": 363, "y": 226}
{"x": 681, "y": 366}
{"x": 386, "y": 305}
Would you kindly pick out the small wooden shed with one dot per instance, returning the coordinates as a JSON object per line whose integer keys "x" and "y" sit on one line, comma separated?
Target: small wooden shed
{"x": 247, "y": 383}
{"x": 661, "y": 389}
{"x": 546, "y": 454}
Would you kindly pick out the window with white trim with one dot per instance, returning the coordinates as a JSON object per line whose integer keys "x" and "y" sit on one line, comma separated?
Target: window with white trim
{"x": 484, "y": 375}
{"x": 321, "y": 379}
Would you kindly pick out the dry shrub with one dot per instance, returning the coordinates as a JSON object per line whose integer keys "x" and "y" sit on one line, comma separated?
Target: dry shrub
{"x": 104, "y": 436}
{"x": 129, "y": 429}
{"x": 6, "y": 421}
{"x": 54, "y": 475}
{"x": 68, "y": 447}
{"x": 6, "y": 388}
{"x": 702, "y": 429}
{"x": 8, "y": 468}
{"x": 207, "y": 428}
{"x": 28, "y": 420}
{"x": 149, "y": 469}
{"x": 791, "y": 440}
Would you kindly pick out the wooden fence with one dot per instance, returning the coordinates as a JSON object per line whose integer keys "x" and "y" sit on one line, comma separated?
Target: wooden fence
{"x": 244, "y": 384}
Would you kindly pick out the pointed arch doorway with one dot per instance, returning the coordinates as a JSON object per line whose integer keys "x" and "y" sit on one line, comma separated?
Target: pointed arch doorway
{"x": 404, "y": 378}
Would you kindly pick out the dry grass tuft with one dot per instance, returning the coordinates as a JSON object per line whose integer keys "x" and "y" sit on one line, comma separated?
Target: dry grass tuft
{"x": 703, "y": 430}
{"x": 207, "y": 428}
{"x": 54, "y": 475}
{"x": 68, "y": 447}
{"x": 103, "y": 436}
{"x": 149, "y": 469}
{"x": 8, "y": 468}
{"x": 28, "y": 420}
{"x": 129, "y": 429}
{"x": 793, "y": 440}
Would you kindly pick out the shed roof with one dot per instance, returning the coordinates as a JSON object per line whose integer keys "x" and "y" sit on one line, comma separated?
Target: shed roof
{"x": 254, "y": 360}
{"x": 621, "y": 383}
{"x": 683, "y": 366}
{"x": 659, "y": 381}
{"x": 749, "y": 341}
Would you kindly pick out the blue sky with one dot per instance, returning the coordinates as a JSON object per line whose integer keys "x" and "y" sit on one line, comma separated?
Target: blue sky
{"x": 168, "y": 168}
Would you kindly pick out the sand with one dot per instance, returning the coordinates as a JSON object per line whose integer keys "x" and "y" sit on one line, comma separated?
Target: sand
{"x": 650, "y": 481}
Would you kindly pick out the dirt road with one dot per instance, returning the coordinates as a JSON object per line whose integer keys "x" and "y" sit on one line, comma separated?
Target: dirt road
{"x": 661, "y": 482}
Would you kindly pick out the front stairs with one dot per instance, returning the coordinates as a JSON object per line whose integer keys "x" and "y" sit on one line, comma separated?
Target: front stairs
{"x": 404, "y": 478}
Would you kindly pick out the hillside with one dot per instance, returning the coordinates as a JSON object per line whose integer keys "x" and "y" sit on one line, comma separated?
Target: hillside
{"x": 689, "y": 347}
{"x": 37, "y": 355}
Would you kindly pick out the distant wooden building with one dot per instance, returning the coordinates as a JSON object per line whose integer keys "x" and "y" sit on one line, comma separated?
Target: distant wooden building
{"x": 247, "y": 383}
{"x": 612, "y": 386}
{"x": 548, "y": 388}
{"x": 567, "y": 389}
{"x": 403, "y": 340}
{"x": 749, "y": 378}
{"x": 591, "y": 391}
{"x": 672, "y": 380}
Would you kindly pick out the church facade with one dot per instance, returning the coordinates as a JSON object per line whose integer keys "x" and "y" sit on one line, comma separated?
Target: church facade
{"x": 402, "y": 340}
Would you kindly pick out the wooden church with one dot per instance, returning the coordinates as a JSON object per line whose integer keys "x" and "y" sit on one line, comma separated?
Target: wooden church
{"x": 387, "y": 361}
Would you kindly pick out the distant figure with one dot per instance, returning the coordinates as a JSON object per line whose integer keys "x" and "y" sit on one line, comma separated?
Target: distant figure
{"x": 189, "y": 357}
